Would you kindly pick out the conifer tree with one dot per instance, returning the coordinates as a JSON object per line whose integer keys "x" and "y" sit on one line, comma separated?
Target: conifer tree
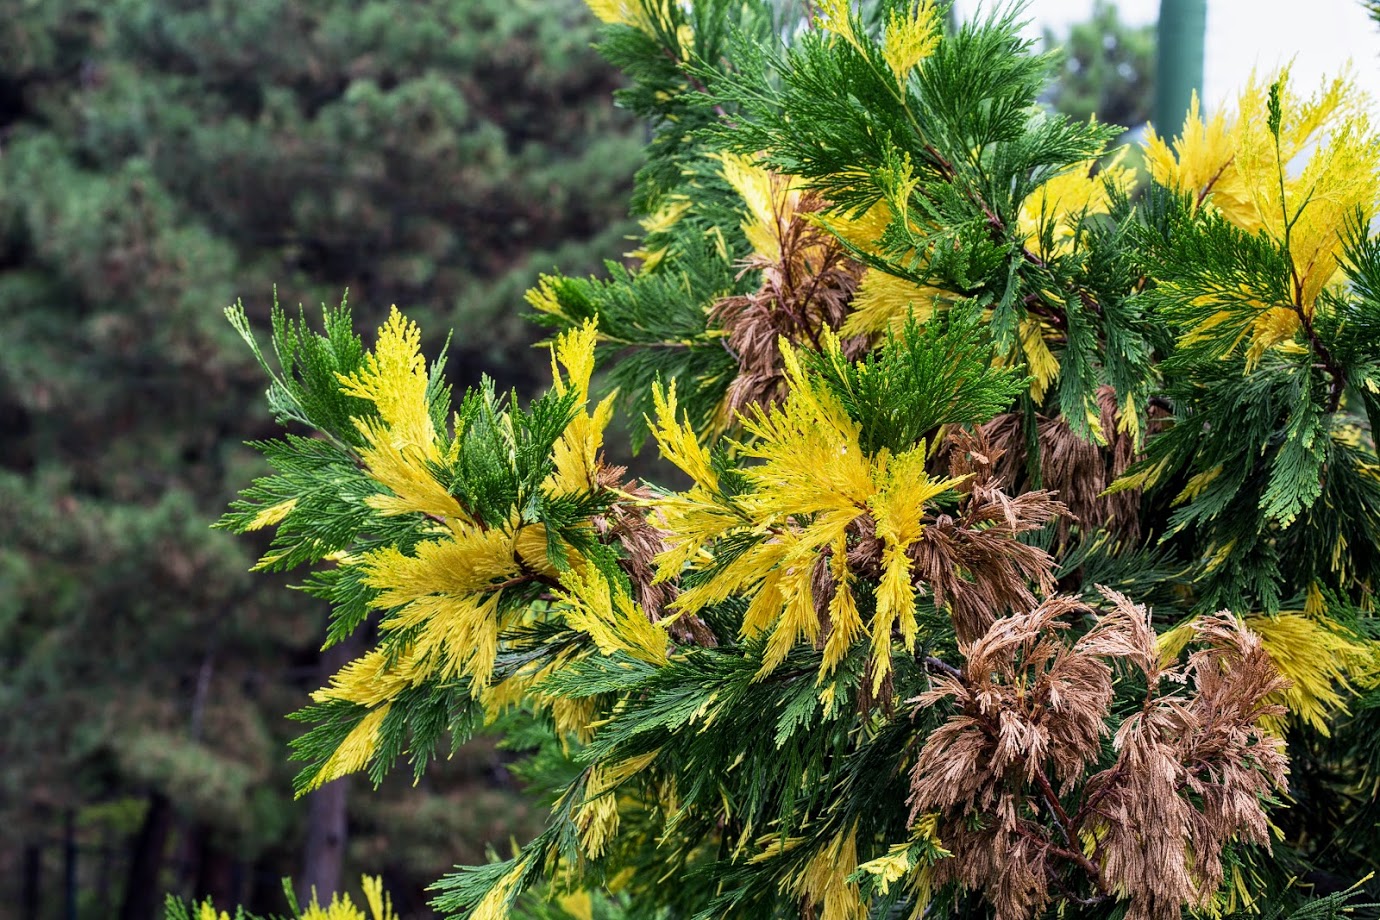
{"x": 1108, "y": 68}
{"x": 1023, "y": 557}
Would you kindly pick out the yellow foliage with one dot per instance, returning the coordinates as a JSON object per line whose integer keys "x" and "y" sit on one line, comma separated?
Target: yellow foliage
{"x": 576, "y": 455}
{"x": 1299, "y": 188}
{"x": 613, "y": 620}
{"x": 1040, "y": 361}
{"x": 354, "y": 752}
{"x": 1235, "y": 897}
{"x": 340, "y": 908}
{"x": 448, "y": 589}
{"x": 1144, "y": 479}
{"x": 597, "y": 820}
{"x": 272, "y": 514}
{"x": 380, "y": 904}
{"x": 889, "y": 868}
{"x": 467, "y": 560}
{"x": 1172, "y": 642}
{"x": 824, "y": 880}
{"x": 697, "y": 516}
{"x": 813, "y": 482}
{"x": 660, "y": 221}
{"x": 677, "y": 441}
{"x": 623, "y": 12}
{"x": 1129, "y": 423}
{"x": 813, "y": 463}
{"x": 495, "y": 904}
{"x": 903, "y": 489}
{"x": 1063, "y": 200}
{"x": 1322, "y": 661}
{"x": 863, "y": 231}
{"x": 845, "y": 622}
{"x": 883, "y": 303}
{"x": 836, "y": 16}
{"x": 369, "y": 680}
{"x": 1202, "y": 160}
{"x": 394, "y": 379}
{"x": 578, "y": 904}
{"x": 899, "y": 863}
{"x": 543, "y": 299}
{"x": 402, "y": 442}
{"x": 909, "y": 38}
{"x": 771, "y": 199}
{"x": 772, "y": 846}
{"x": 1196, "y": 484}
{"x": 597, "y": 815}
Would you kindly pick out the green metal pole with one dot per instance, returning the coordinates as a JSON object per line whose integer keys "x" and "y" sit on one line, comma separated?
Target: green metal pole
{"x": 1178, "y": 61}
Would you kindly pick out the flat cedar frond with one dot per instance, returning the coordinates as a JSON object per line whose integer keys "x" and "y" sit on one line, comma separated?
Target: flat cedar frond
{"x": 402, "y": 447}
{"x": 576, "y": 458}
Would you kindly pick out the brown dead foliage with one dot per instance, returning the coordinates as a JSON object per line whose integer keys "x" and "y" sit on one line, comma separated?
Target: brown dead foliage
{"x": 1077, "y": 471}
{"x": 1008, "y": 772}
{"x": 974, "y": 562}
{"x": 804, "y": 291}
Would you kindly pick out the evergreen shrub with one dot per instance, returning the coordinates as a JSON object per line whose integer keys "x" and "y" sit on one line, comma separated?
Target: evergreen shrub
{"x": 1024, "y": 552}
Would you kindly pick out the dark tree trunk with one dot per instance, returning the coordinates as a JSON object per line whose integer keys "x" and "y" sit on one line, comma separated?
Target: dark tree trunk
{"x": 69, "y": 864}
{"x": 215, "y": 870}
{"x": 323, "y": 855}
{"x": 142, "y": 895}
{"x": 31, "y": 900}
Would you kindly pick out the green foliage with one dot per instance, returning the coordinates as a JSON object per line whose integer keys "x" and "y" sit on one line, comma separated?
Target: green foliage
{"x": 939, "y": 374}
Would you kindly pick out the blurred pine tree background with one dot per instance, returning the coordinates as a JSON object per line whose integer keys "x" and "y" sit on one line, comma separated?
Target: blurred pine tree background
{"x": 160, "y": 159}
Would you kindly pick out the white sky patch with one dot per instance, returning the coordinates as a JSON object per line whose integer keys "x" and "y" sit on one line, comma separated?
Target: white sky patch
{"x": 1319, "y": 36}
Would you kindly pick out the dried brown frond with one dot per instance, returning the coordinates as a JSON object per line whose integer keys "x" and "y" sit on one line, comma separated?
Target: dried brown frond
{"x": 1012, "y": 868}
{"x": 1125, "y": 632}
{"x": 1030, "y": 705}
{"x": 803, "y": 291}
{"x": 1077, "y": 471}
{"x": 627, "y": 524}
{"x": 1193, "y": 771}
{"x": 1030, "y": 702}
{"x": 974, "y": 563}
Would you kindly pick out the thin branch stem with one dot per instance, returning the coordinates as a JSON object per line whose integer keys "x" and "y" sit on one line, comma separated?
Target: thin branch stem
{"x": 1067, "y": 828}
{"x": 943, "y": 667}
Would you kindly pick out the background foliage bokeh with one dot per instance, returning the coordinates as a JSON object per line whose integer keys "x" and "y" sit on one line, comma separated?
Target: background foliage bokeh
{"x": 158, "y": 160}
